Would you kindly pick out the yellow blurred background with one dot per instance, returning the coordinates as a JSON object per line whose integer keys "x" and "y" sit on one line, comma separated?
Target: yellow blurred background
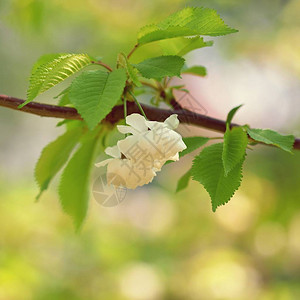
{"x": 156, "y": 244}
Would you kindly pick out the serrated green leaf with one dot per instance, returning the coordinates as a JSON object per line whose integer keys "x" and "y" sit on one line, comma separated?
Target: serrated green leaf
{"x": 45, "y": 59}
{"x": 196, "y": 70}
{"x": 161, "y": 66}
{"x": 184, "y": 181}
{"x": 95, "y": 93}
{"x": 130, "y": 69}
{"x": 208, "y": 170}
{"x": 192, "y": 143}
{"x": 54, "y": 156}
{"x": 181, "y": 46}
{"x": 189, "y": 21}
{"x": 75, "y": 180}
{"x": 234, "y": 148}
{"x": 53, "y": 72}
{"x": 267, "y": 136}
{"x": 231, "y": 114}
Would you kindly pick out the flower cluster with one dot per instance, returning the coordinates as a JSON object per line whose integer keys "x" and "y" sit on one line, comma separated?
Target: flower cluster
{"x": 138, "y": 157}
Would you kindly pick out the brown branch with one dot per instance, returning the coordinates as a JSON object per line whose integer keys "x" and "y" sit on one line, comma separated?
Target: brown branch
{"x": 40, "y": 109}
{"x": 117, "y": 114}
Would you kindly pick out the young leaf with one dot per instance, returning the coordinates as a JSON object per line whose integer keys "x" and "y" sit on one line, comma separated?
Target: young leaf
{"x": 95, "y": 93}
{"x": 193, "y": 143}
{"x": 196, "y": 70}
{"x": 183, "y": 181}
{"x": 63, "y": 92}
{"x": 181, "y": 46}
{"x": 64, "y": 100}
{"x": 131, "y": 71}
{"x": 161, "y": 66}
{"x": 54, "y": 156}
{"x": 75, "y": 180}
{"x": 63, "y": 122}
{"x": 285, "y": 142}
{"x": 208, "y": 170}
{"x": 64, "y": 97}
{"x": 234, "y": 148}
{"x": 231, "y": 114}
{"x": 53, "y": 72}
{"x": 188, "y": 22}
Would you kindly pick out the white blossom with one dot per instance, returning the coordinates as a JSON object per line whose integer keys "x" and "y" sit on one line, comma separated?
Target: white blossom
{"x": 125, "y": 172}
{"x": 158, "y": 139}
{"x": 144, "y": 152}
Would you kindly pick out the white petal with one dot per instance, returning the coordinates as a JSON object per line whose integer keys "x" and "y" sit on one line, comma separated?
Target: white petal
{"x": 172, "y": 122}
{"x": 127, "y": 145}
{"x": 168, "y": 143}
{"x": 137, "y": 121}
{"x": 104, "y": 162}
{"x": 122, "y": 172}
{"x": 154, "y": 125}
{"x": 158, "y": 164}
{"x": 113, "y": 151}
{"x": 175, "y": 157}
{"x": 127, "y": 129}
{"x": 151, "y": 124}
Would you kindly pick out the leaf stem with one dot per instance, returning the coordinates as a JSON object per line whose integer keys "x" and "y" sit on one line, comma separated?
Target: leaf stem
{"x": 107, "y": 67}
{"x": 165, "y": 83}
{"x": 149, "y": 84}
{"x": 138, "y": 104}
{"x": 132, "y": 50}
{"x": 125, "y": 112}
{"x": 125, "y": 108}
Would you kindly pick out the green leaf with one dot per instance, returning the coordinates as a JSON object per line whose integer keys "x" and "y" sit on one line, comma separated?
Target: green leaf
{"x": 64, "y": 97}
{"x": 196, "y": 70}
{"x": 63, "y": 92}
{"x": 54, "y": 156}
{"x": 181, "y": 46}
{"x": 234, "y": 148}
{"x": 285, "y": 142}
{"x": 184, "y": 181}
{"x": 161, "y": 66}
{"x": 95, "y": 93}
{"x": 75, "y": 180}
{"x": 131, "y": 71}
{"x": 64, "y": 100}
{"x": 188, "y": 22}
{"x": 208, "y": 170}
{"x": 45, "y": 59}
{"x": 53, "y": 72}
{"x": 231, "y": 114}
{"x": 192, "y": 143}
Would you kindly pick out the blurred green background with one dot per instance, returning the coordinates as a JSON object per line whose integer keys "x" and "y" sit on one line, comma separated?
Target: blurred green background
{"x": 156, "y": 244}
